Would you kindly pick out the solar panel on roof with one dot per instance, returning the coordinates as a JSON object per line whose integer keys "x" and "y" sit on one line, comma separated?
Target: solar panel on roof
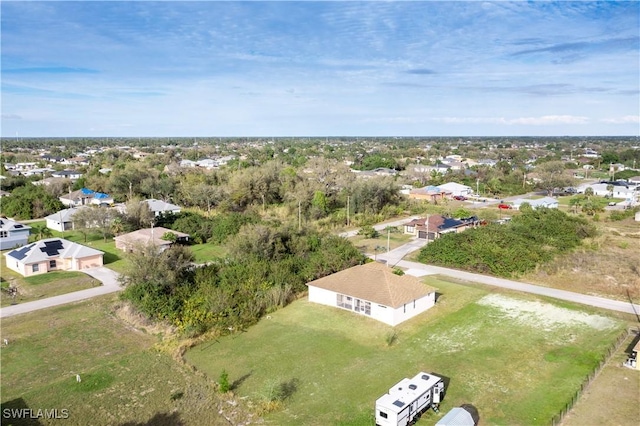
{"x": 52, "y": 248}
{"x": 20, "y": 253}
{"x": 18, "y": 226}
{"x": 398, "y": 403}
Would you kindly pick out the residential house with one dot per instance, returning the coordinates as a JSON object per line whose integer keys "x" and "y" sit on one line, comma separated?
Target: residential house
{"x": 67, "y": 174}
{"x": 84, "y": 196}
{"x": 13, "y": 234}
{"x": 434, "y": 226}
{"x": 602, "y": 190}
{"x": 81, "y": 197}
{"x": 52, "y": 254}
{"x": 142, "y": 237}
{"x": 548, "y": 202}
{"x": 429, "y": 193}
{"x": 4, "y": 193}
{"x": 159, "y": 207}
{"x": 62, "y": 220}
{"x": 456, "y": 189}
{"x": 375, "y": 291}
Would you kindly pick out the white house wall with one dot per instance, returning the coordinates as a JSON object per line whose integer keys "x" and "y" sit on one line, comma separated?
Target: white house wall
{"x": 379, "y": 312}
{"x": 411, "y": 309}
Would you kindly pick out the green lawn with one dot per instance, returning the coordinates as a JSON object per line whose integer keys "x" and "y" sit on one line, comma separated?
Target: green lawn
{"x": 207, "y": 252}
{"x": 43, "y": 285}
{"x": 335, "y": 364}
{"x": 123, "y": 379}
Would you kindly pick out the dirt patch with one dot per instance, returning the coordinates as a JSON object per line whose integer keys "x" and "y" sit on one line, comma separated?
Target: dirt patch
{"x": 138, "y": 322}
{"x": 544, "y": 315}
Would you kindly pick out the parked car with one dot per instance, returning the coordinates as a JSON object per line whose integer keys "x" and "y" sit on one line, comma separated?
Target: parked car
{"x": 504, "y": 206}
{"x": 460, "y": 198}
{"x": 612, "y": 203}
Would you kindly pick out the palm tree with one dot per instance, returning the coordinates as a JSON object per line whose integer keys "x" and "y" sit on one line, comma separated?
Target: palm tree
{"x": 41, "y": 232}
{"x": 610, "y": 189}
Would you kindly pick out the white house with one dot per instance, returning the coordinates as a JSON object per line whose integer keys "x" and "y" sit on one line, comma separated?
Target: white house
{"x": 13, "y": 234}
{"x": 52, "y": 254}
{"x": 548, "y": 202}
{"x": 62, "y": 220}
{"x": 159, "y": 207}
{"x": 374, "y": 290}
{"x": 456, "y": 189}
{"x": 67, "y": 174}
{"x": 617, "y": 191}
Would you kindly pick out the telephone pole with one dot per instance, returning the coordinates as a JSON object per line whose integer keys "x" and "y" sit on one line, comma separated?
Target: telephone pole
{"x": 348, "y": 210}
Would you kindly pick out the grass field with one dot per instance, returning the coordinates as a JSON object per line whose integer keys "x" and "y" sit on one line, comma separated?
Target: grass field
{"x": 123, "y": 379}
{"x": 517, "y": 360}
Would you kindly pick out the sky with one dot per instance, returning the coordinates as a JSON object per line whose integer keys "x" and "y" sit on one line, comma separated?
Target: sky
{"x": 328, "y": 68}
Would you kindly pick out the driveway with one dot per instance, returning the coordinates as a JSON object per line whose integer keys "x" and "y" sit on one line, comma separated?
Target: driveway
{"x": 109, "y": 281}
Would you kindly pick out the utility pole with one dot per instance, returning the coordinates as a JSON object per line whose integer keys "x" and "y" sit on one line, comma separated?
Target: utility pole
{"x": 348, "y": 210}
{"x": 299, "y": 216}
{"x": 388, "y": 238}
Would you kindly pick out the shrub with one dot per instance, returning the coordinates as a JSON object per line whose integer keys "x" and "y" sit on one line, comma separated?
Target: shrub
{"x": 223, "y": 382}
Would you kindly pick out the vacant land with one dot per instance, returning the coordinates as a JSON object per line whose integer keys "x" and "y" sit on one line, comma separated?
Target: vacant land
{"x": 518, "y": 360}
{"x": 608, "y": 265}
{"x": 123, "y": 379}
{"x": 379, "y": 244}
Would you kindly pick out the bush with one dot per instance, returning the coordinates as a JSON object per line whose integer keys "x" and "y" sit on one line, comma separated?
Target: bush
{"x": 368, "y": 232}
{"x": 223, "y": 382}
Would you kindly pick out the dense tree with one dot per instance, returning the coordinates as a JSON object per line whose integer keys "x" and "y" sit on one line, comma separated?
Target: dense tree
{"x": 552, "y": 175}
{"x": 30, "y": 202}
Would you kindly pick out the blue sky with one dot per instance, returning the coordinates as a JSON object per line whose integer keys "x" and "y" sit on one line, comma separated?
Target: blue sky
{"x": 328, "y": 68}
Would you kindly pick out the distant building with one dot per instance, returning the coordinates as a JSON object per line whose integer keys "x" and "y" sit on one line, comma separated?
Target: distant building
{"x": 548, "y": 202}
{"x": 159, "y": 207}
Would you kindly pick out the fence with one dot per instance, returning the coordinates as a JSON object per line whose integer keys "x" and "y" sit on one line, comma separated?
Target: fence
{"x": 557, "y": 419}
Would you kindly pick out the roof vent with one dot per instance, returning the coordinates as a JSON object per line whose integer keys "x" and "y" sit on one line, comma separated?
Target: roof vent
{"x": 425, "y": 377}
{"x": 413, "y": 387}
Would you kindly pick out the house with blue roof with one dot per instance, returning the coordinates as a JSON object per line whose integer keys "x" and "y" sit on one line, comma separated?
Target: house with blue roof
{"x": 84, "y": 197}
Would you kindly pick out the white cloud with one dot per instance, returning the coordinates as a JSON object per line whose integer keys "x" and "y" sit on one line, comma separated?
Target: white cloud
{"x": 622, "y": 120}
{"x": 529, "y": 121}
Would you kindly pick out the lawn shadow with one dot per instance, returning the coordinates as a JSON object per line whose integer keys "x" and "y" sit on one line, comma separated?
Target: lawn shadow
{"x": 17, "y": 414}
{"x": 159, "y": 419}
{"x": 110, "y": 258}
{"x": 438, "y": 295}
{"x": 288, "y": 388}
{"x": 236, "y": 383}
{"x": 446, "y": 380}
{"x": 475, "y": 415}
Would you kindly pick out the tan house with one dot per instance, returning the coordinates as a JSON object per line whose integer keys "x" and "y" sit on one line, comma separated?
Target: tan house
{"x": 375, "y": 291}
{"x": 142, "y": 237}
{"x": 52, "y": 254}
{"x": 429, "y": 193}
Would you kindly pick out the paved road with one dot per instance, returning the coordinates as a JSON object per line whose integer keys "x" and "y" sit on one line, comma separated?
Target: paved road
{"x": 420, "y": 269}
{"x": 109, "y": 281}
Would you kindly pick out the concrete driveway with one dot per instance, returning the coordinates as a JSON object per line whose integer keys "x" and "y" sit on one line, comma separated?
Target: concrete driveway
{"x": 109, "y": 281}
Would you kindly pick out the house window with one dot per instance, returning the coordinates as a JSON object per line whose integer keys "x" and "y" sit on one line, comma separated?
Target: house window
{"x": 340, "y": 300}
{"x": 4, "y": 234}
{"x": 35, "y": 268}
{"x": 52, "y": 264}
{"x": 383, "y": 414}
{"x": 367, "y": 308}
{"x": 348, "y": 304}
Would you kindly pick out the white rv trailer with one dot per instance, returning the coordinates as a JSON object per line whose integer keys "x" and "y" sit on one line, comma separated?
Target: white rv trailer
{"x": 408, "y": 399}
